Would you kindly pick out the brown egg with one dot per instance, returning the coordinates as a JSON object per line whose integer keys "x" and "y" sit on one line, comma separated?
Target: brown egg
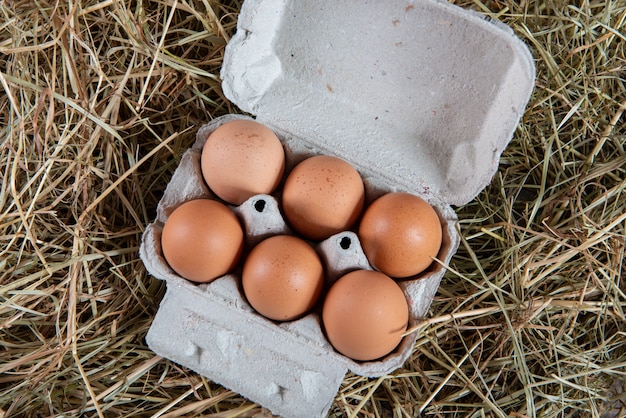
{"x": 242, "y": 158}
{"x": 322, "y": 196}
{"x": 365, "y": 314}
{"x": 400, "y": 234}
{"x": 202, "y": 239}
{"x": 282, "y": 277}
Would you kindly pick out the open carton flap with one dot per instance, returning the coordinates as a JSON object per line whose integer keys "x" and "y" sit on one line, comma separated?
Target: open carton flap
{"x": 422, "y": 93}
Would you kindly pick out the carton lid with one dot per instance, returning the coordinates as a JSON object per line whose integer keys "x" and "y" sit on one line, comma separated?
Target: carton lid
{"x": 421, "y": 92}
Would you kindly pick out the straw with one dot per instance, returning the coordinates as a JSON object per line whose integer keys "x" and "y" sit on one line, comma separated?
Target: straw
{"x": 99, "y": 99}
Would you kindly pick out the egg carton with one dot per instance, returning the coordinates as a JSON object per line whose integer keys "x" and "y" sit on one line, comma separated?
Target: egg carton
{"x": 419, "y": 96}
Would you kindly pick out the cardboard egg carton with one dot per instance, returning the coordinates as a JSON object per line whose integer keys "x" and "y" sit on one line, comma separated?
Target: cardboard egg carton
{"x": 419, "y": 96}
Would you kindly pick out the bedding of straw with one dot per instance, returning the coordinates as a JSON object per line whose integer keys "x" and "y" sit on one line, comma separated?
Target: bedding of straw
{"x": 99, "y": 99}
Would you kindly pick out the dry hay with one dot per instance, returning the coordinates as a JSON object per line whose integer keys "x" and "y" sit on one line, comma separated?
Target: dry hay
{"x": 100, "y": 98}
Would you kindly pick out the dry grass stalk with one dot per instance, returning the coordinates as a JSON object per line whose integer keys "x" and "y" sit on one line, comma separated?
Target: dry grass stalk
{"x": 99, "y": 100}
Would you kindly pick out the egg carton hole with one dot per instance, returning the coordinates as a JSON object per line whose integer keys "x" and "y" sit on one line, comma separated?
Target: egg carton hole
{"x": 259, "y": 205}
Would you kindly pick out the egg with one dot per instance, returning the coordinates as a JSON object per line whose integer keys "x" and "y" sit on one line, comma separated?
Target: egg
{"x": 323, "y": 195}
{"x": 242, "y": 158}
{"x": 202, "y": 239}
{"x": 400, "y": 234}
{"x": 365, "y": 314}
{"x": 282, "y": 277}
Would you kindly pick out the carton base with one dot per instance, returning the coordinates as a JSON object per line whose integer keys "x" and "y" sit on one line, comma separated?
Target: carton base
{"x": 267, "y": 366}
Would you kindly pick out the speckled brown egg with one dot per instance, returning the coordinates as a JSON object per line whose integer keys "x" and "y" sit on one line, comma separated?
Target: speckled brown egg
{"x": 282, "y": 277}
{"x": 322, "y": 196}
{"x": 365, "y": 314}
{"x": 242, "y": 158}
{"x": 202, "y": 239}
{"x": 400, "y": 234}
